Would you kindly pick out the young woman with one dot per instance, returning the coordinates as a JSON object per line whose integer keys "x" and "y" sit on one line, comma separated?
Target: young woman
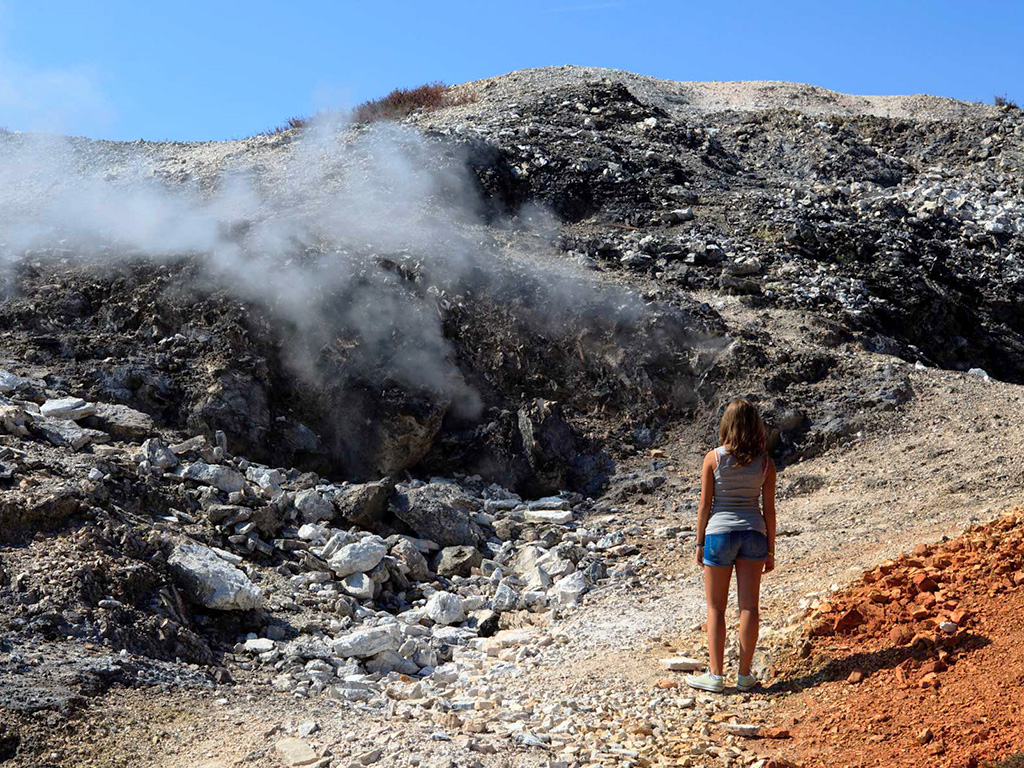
{"x": 733, "y": 530}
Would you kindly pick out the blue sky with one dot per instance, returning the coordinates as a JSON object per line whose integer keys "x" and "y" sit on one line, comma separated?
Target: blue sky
{"x": 223, "y": 69}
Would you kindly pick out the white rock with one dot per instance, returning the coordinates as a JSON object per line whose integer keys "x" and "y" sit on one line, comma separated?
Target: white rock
{"x": 681, "y": 664}
{"x": 358, "y": 557}
{"x": 212, "y": 582}
{"x": 259, "y": 645}
{"x": 313, "y": 506}
{"x": 67, "y": 408}
{"x": 222, "y": 478}
{"x": 295, "y": 752}
{"x": 552, "y": 516}
{"x": 358, "y": 585}
{"x": 569, "y": 589}
{"x": 505, "y": 598}
{"x": 445, "y": 608}
{"x": 364, "y": 642}
{"x": 268, "y": 479}
{"x": 949, "y": 627}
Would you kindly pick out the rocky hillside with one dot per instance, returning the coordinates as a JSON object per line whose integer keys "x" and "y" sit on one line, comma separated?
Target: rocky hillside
{"x": 351, "y": 413}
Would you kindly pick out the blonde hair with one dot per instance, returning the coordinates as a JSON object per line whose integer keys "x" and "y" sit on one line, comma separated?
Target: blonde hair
{"x": 742, "y": 431}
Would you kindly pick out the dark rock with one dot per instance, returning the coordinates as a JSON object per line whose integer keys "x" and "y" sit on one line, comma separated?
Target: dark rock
{"x": 457, "y": 561}
{"x": 364, "y": 504}
{"x": 439, "y": 512}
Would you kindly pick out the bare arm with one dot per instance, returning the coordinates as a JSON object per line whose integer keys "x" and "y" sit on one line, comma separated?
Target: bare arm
{"x": 768, "y": 507}
{"x": 707, "y": 493}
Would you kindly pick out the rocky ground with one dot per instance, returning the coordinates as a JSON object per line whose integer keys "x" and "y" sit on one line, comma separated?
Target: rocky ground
{"x": 378, "y": 445}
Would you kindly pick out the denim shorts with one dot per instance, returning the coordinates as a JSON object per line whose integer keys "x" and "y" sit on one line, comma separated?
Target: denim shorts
{"x": 724, "y": 549}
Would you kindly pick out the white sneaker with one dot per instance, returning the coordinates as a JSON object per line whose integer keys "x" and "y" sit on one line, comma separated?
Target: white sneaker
{"x": 706, "y": 682}
{"x": 745, "y": 682}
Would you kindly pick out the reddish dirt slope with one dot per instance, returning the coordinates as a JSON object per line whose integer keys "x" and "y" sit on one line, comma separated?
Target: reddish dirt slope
{"x": 921, "y": 663}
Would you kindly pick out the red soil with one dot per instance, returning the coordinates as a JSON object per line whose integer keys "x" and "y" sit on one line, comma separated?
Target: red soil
{"x": 888, "y": 680}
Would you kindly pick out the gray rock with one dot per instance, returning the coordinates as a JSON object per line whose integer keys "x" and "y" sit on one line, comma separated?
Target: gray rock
{"x": 220, "y": 477}
{"x": 64, "y": 433}
{"x": 295, "y": 753}
{"x": 211, "y": 581}
{"x": 359, "y": 557}
{"x": 458, "y": 561}
{"x": 9, "y": 382}
{"x": 358, "y": 585}
{"x": 156, "y": 452}
{"x": 365, "y": 642}
{"x": 505, "y": 599}
{"x": 121, "y": 422}
{"x": 445, "y": 608}
{"x": 569, "y": 589}
{"x": 552, "y": 516}
{"x": 364, "y": 504}
{"x": 391, "y": 661}
{"x": 67, "y": 408}
{"x": 410, "y": 560}
{"x": 259, "y": 645}
{"x": 439, "y": 512}
{"x": 313, "y": 507}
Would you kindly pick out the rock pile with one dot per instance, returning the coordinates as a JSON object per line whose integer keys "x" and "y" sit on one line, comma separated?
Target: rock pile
{"x": 343, "y": 584}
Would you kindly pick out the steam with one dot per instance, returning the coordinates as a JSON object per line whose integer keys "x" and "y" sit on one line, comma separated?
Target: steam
{"x": 299, "y": 224}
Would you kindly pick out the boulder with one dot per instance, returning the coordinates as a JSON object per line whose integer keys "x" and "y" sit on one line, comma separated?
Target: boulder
{"x": 551, "y": 516}
{"x": 313, "y": 507}
{"x": 295, "y": 753}
{"x": 439, "y": 512}
{"x": 358, "y": 585}
{"x": 358, "y": 557}
{"x": 458, "y": 561}
{"x": 156, "y": 452}
{"x": 72, "y": 408}
{"x": 445, "y": 608}
{"x": 363, "y": 504}
{"x": 14, "y": 420}
{"x": 365, "y": 642}
{"x": 569, "y": 589}
{"x": 410, "y": 560}
{"x": 65, "y": 433}
{"x": 121, "y": 422}
{"x": 390, "y": 661}
{"x": 505, "y": 599}
{"x": 210, "y": 581}
{"x": 220, "y": 477}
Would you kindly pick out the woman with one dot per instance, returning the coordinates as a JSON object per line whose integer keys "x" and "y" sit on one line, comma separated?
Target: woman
{"x": 733, "y": 530}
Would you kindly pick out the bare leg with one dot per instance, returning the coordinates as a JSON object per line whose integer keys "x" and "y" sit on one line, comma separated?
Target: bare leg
{"x": 716, "y": 588}
{"x": 748, "y": 595}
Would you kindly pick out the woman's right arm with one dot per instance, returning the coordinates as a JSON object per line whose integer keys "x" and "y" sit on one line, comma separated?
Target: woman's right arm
{"x": 707, "y": 492}
{"x": 768, "y": 506}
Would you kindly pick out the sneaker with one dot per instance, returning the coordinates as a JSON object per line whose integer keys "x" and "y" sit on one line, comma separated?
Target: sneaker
{"x": 745, "y": 682}
{"x": 706, "y": 682}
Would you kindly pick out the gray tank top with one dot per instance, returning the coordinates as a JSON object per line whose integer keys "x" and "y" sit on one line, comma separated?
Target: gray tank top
{"x": 735, "y": 505}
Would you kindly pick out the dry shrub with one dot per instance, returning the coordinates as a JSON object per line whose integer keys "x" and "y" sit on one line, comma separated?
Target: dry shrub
{"x": 289, "y": 124}
{"x": 1002, "y": 101}
{"x": 403, "y": 101}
